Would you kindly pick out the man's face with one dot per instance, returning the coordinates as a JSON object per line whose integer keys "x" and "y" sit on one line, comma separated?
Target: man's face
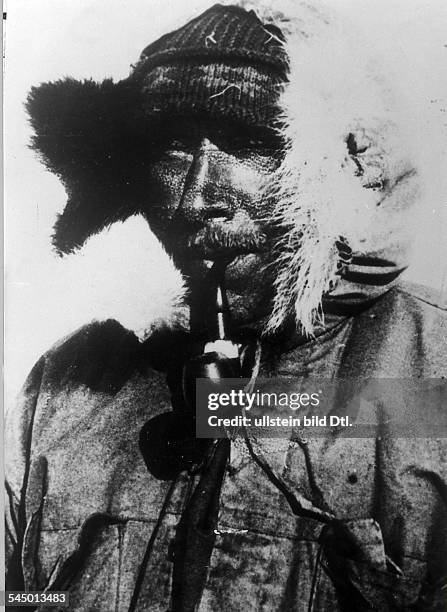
{"x": 208, "y": 206}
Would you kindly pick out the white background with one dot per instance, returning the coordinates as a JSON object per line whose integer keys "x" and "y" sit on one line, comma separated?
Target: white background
{"x": 124, "y": 273}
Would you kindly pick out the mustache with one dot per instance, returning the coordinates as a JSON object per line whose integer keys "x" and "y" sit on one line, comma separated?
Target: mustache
{"x": 218, "y": 236}
{"x": 236, "y": 236}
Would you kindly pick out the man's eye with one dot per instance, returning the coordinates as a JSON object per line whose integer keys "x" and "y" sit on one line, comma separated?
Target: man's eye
{"x": 178, "y": 144}
{"x": 257, "y": 143}
{"x": 235, "y": 143}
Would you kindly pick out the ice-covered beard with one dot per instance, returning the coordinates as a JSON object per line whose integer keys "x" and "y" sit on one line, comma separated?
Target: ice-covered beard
{"x": 228, "y": 238}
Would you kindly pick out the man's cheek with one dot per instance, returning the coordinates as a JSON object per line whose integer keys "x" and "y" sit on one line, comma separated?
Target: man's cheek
{"x": 258, "y": 207}
{"x": 249, "y": 273}
{"x": 164, "y": 184}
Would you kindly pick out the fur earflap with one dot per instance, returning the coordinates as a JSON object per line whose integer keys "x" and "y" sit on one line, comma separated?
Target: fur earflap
{"x": 89, "y": 135}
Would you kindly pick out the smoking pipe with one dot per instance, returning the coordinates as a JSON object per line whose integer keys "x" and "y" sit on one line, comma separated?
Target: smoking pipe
{"x": 167, "y": 441}
{"x": 220, "y": 357}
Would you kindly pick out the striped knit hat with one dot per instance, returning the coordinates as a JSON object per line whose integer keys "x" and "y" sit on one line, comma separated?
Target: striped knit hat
{"x": 225, "y": 62}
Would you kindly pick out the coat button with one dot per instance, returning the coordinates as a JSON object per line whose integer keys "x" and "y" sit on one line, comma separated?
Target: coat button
{"x": 352, "y": 477}
{"x": 231, "y": 470}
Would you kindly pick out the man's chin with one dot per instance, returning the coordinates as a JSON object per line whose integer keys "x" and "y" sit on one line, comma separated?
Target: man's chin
{"x": 213, "y": 253}
{"x": 238, "y": 262}
{"x": 248, "y": 286}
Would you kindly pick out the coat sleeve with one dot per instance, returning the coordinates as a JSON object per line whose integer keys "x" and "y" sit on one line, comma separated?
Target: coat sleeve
{"x": 18, "y": 439}
{"x": 367, "y": 579}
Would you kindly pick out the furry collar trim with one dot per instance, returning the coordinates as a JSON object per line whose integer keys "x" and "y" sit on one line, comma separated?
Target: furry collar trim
{"x": 346, "y": 177}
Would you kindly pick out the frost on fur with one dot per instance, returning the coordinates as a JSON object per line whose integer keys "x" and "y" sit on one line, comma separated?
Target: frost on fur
{"x": 343, "y": 160}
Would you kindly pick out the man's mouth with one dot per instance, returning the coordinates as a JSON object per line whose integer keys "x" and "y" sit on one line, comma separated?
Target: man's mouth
{"x": 222, "y": 237}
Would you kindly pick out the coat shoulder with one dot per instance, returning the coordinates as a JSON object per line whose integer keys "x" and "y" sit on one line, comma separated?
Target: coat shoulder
{"x": 403, "y": 335}
{"x": 427, "y": 298}
{"x": 101, "y": 355}
{"x": 419, "y": 321}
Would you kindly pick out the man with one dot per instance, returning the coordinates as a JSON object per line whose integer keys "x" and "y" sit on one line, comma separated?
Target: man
{"x": 245, "y": 165}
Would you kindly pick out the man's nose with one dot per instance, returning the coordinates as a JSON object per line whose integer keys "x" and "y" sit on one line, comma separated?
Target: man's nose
{"x": 200, "y": 199}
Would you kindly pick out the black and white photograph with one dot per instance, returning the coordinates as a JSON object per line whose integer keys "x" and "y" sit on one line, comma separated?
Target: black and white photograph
{"x": 225, "y": 352}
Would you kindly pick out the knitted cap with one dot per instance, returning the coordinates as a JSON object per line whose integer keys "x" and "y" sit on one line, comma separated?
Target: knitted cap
{"x": 225, "y": 63}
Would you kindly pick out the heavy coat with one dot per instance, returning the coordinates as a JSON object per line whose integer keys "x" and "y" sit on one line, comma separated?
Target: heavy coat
{"x": 85, "y": 513}
{"x": 84, "y": 508}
